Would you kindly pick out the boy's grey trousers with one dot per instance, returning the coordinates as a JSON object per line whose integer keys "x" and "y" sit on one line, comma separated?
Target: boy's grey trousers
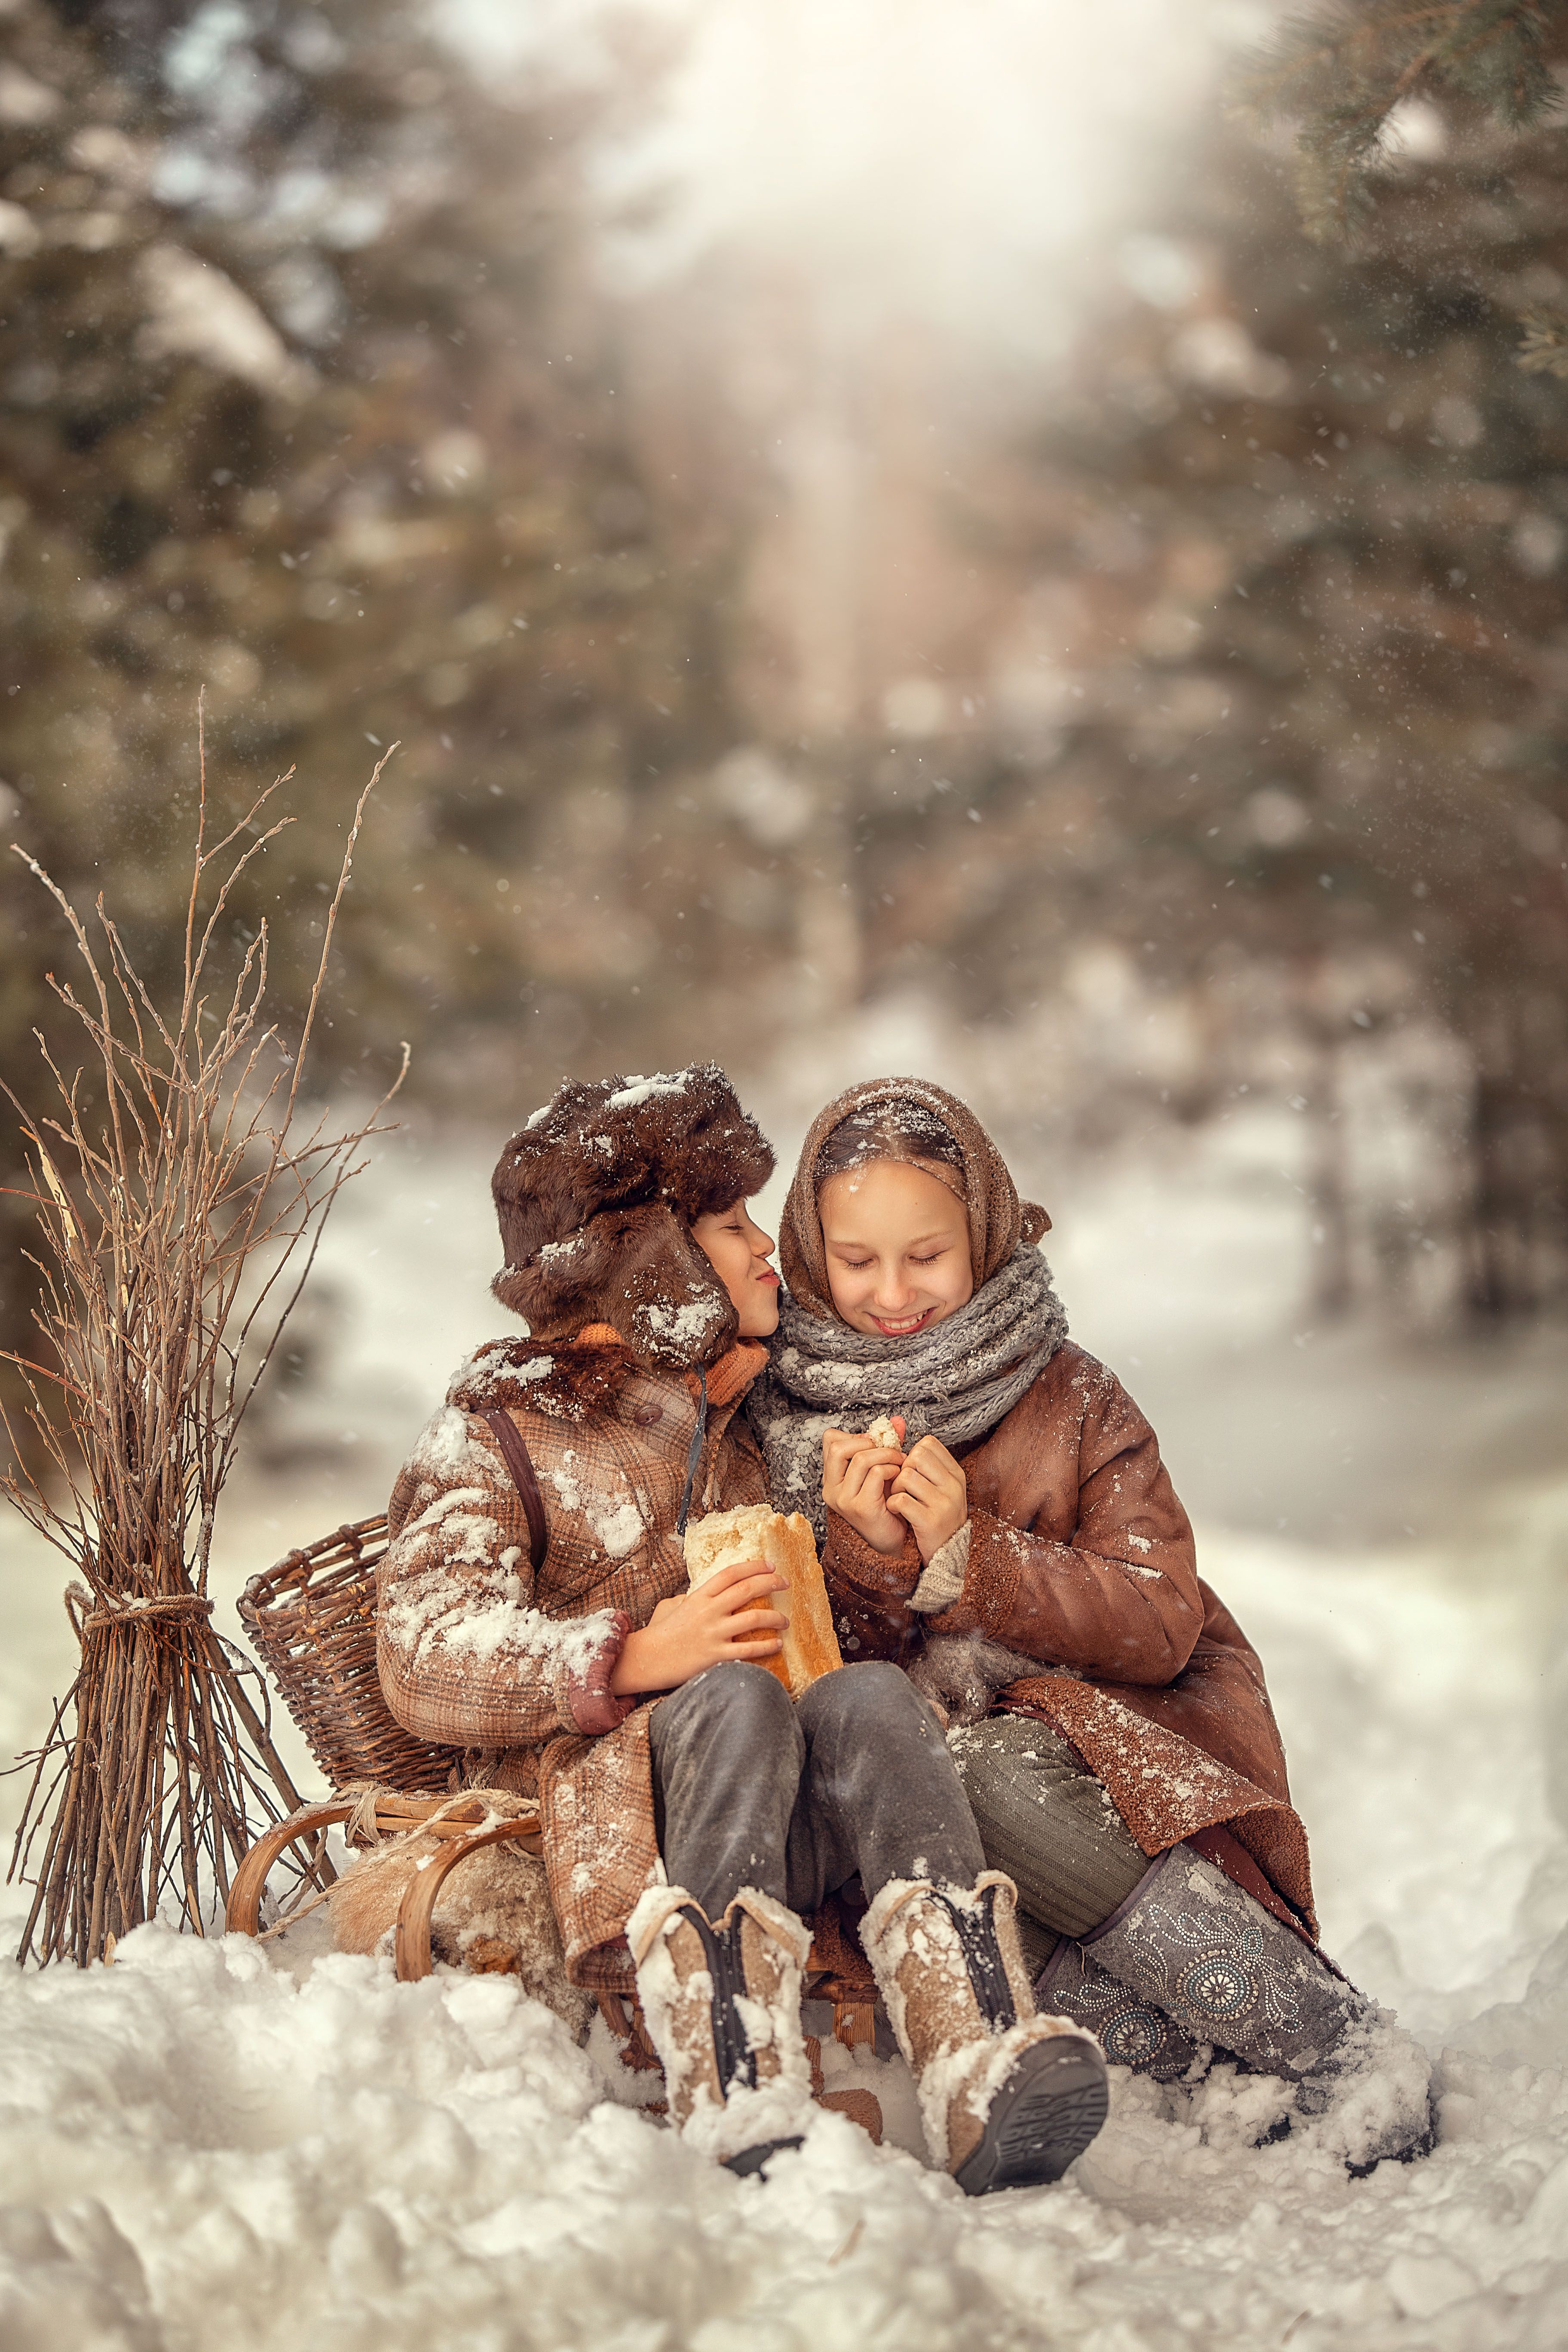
{"x": 856, "y": 1780}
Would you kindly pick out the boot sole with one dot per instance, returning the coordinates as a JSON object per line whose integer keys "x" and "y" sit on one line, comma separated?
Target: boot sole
{"x": 1046, "y": 2112}
{"x": 752, "y": 2160}
{"x": 1415, "y": 2151}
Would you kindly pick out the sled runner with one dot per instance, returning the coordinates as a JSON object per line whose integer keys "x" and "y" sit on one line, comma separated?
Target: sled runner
{"x": 311, "y": 1621}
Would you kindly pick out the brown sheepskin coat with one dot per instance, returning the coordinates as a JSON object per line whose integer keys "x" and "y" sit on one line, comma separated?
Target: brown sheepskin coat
{"x": 477, "y": 1653}
{"x": 1081, "y": 1556}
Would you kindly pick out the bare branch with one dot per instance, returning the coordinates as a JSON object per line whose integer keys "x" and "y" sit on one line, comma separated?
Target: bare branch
{"x": 150, "y": 1219}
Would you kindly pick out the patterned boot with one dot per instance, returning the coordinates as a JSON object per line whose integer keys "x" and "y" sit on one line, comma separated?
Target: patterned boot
{"x": 1195, "y": 1944}
{"x": 723, "y": 2008}
{"x": 1008, "y": 2099}
{"x": 1131, "y": 2031}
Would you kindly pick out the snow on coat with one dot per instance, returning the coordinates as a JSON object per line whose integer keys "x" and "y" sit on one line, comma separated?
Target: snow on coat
{"x": 1080, "y": 1557}
{"x": 477, "y": 1653}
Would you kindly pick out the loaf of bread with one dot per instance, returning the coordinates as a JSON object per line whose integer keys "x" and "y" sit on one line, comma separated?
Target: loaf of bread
{"x": 885, "y": 1433}
{"x": 726, "y": 1537}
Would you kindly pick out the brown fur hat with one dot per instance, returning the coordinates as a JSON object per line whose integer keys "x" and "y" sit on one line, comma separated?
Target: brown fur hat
{"x": 596, "y": 1197}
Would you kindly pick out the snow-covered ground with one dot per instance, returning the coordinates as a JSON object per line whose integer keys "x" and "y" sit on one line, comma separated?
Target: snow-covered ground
{"x": 208, "y": 2144}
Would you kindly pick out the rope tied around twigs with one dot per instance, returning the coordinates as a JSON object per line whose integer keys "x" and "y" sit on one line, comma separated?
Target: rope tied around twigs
{"x": 158, "y": 1609}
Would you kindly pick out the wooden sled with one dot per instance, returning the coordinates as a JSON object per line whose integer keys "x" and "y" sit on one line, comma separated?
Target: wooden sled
{"x": 311, "y": 1620}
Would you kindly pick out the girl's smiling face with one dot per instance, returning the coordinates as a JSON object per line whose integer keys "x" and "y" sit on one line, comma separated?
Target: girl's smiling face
{"x": 897, "y": 1248}
{"x": 738, "y": 1250}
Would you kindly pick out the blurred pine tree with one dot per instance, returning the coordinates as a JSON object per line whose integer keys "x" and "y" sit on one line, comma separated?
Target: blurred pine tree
{"x": 1345, "y": 74}
{"x": 1315, "y": 517}
{"x": 307, "y": 396}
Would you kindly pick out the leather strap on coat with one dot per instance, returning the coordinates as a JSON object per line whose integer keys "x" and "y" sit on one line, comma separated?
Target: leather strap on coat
{"x": 520, "y": 1462}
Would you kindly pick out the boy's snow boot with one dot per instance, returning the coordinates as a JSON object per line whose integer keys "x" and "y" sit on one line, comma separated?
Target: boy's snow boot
{"x": 723, "y": 2008}
{"x": 1008, "y": 2099}
{"x": 1129, "y": 2029}
{"x": 1195, "y": 1944}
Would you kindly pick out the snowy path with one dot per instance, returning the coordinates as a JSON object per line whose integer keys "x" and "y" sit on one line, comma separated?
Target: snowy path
{"x": 205, "y": 2146}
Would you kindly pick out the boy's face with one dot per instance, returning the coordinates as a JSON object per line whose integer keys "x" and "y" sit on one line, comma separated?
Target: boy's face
{"x": 739, "y": 1251}
{"x": 897, "y": 1248}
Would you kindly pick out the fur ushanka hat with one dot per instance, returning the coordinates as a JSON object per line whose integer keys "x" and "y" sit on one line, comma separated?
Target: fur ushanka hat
{"x": 596, "y": 1197}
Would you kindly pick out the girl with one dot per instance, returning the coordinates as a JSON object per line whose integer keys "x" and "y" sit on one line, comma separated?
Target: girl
{"x": 1019, "y": 1550}
{"x": 534, "y": 1616}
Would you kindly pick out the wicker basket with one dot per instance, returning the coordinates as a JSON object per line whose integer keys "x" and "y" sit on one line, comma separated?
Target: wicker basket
{"x": 311, "y": 1620}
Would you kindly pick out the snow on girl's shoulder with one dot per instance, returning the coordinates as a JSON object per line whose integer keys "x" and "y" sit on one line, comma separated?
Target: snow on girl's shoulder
{"x": 1086, "y": 1375}
{"x": 1092, "y": 1387}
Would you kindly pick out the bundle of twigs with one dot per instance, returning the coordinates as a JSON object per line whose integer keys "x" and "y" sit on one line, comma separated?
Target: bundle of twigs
{"x": 180, "y": 1214}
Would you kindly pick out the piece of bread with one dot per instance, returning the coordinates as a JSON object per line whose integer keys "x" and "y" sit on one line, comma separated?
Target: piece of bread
{"x": 726, "y": 1537}
{"x": 885, "y": 1433}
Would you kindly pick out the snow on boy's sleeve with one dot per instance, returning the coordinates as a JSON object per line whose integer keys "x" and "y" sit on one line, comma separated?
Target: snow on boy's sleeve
{"x": 465, "y": 1657}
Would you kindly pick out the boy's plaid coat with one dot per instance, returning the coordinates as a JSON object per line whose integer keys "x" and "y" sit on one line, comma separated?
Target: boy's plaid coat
{"x": 477, "y": 1653}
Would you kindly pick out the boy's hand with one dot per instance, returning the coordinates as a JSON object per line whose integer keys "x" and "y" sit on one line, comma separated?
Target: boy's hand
{"x": 726, "y": 1617}
{"x": 856, "y": 1474}
{"x": 931, "y": 1493}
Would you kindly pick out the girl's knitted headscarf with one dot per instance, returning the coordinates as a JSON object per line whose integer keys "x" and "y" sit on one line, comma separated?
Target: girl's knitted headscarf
{"x": 998, "y": 1220}
{"x": 954, "y": 1380}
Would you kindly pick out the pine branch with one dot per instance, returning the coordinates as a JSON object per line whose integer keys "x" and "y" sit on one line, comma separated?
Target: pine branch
{"x": 1340, "y": 71}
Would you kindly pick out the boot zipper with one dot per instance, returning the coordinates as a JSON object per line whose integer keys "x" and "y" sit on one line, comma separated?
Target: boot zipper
{"x": 736, "y": 2060}
{"x": 982, "y": 1957}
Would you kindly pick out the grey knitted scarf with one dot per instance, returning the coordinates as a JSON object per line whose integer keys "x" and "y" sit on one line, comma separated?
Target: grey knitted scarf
{"x": 954, "y": 1382}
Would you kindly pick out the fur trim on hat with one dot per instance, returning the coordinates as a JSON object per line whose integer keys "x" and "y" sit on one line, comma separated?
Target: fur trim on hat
{"x": 596, "y": 1197}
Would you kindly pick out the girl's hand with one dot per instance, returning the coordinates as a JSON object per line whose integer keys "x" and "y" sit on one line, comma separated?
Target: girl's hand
{"x": 726, "y": 1617}
{"x": 856, "y": 1471}
{"x": 931, "y": 1493}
